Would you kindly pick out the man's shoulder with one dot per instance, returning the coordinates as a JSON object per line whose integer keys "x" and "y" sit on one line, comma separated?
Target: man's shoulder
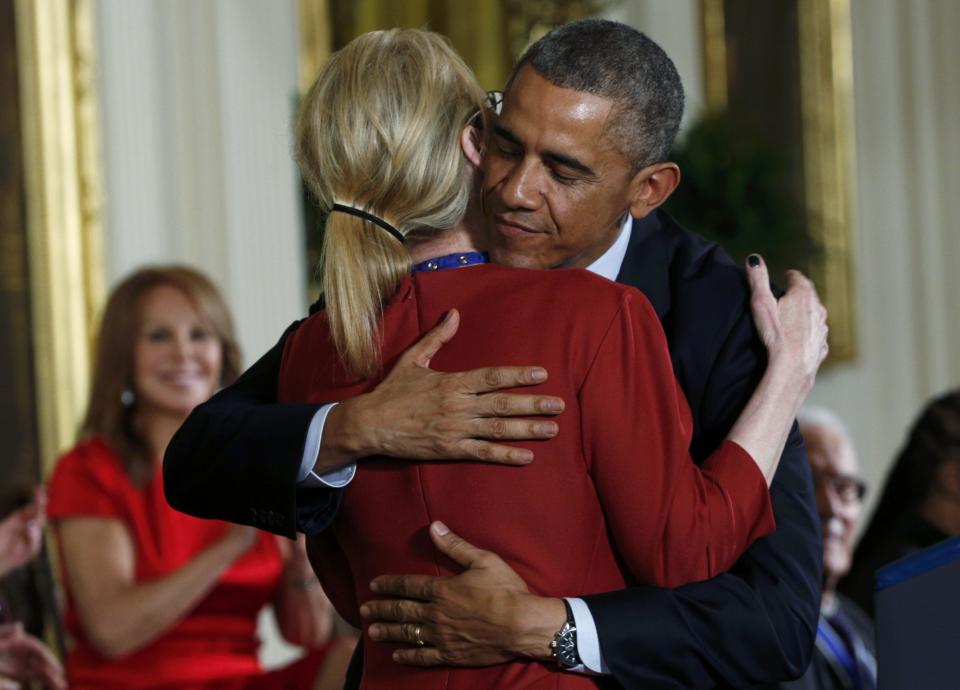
{"x": 682, "y": 272}
{"x": 701, "y": 265}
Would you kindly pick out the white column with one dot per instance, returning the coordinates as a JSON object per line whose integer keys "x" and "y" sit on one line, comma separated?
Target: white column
{"x": 265, "y": 249}
{"x": 198, "y": 102}
{"x": 139, "y": 209}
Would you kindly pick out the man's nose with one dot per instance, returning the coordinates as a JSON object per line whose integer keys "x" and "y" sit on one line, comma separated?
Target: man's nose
{"x": 834, "y": 503}
{"x": 521, "y": 189}
{"x": 837, "y": 505}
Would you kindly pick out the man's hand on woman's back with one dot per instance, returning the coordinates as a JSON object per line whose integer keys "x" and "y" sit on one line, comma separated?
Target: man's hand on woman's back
{"x": 421, "y": 414}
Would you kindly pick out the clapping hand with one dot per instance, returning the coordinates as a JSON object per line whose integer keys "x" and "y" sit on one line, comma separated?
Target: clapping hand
{"x": 24, "y": 657}
{"x": 21, "y": 533}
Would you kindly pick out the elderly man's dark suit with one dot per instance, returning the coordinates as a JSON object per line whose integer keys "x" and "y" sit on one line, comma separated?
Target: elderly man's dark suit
{"x": 237, "y": 456}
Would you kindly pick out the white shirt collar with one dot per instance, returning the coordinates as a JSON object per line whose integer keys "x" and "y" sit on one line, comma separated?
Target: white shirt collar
{"x": 609, "y": 263}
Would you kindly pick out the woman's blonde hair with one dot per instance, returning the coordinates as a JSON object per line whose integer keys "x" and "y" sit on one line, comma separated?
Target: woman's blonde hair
{"x": 113, "y": 370}
{"x": 380, "y": 130}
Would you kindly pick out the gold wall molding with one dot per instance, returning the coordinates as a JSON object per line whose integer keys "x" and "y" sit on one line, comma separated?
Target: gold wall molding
{"x": 55, "y": 49}
{"x": 829, "y": 177}
{"x": 714, "y": 53}
{"x": 315, "y": 39}
{"x": 826, "y": 70}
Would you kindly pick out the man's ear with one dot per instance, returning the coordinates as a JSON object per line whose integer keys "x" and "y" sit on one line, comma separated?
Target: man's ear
{"x": 471, "y": 141}
{"x": 652, "y": 186}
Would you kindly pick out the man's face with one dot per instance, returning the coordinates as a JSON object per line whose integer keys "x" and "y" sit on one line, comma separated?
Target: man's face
{"x": 556, "y": 191}
{"x": 837, "y": 483}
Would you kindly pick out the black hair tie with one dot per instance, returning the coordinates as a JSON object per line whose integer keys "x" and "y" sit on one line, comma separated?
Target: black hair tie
{"x": 360, "y": 213}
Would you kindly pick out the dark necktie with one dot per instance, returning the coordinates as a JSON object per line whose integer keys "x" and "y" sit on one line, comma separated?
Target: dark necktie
{"x": 845, "y": 651}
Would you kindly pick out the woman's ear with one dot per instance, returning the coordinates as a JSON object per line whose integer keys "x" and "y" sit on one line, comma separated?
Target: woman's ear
{"x": 471, "y": 141}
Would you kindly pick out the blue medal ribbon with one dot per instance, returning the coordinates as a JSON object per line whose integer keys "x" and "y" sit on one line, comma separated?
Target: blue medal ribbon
{"x": 442, "y": 263}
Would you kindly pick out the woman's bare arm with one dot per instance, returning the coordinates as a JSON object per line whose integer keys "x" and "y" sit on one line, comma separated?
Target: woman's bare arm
{"x": 794, "y": 331}
{"x": 118, "y": 614}
{"x": 304, "y": 614}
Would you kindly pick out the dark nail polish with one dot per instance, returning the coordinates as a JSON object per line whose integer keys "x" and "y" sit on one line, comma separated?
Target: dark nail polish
{"x": 753, "y": 260}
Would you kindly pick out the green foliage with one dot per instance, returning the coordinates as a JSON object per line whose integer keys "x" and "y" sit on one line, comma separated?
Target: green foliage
{"x": 742, "y": 193}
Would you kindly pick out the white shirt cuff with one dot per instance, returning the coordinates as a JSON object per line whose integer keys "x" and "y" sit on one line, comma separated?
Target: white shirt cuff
{"x": 306, "y": 477}
{"x": 588, "y": 642}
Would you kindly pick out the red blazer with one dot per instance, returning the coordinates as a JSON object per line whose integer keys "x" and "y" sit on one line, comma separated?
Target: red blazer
{"x": 612, "y": 500}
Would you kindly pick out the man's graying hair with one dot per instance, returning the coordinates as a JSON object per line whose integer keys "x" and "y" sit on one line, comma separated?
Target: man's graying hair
{"x": 615, "y": 61}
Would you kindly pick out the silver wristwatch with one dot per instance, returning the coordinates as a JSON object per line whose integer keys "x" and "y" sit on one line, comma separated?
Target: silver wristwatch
{"x": 564, "y": 645}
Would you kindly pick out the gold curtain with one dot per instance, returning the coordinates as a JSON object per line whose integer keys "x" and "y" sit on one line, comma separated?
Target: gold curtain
{"x": 476, "y": 29}
{"x": 489, "y": 34}
{"x": 63, "y": 203}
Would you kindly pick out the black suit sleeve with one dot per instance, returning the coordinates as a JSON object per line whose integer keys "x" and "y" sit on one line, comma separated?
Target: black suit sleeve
{"x": 237, "y": 457}
{"x": 754, "y": 625}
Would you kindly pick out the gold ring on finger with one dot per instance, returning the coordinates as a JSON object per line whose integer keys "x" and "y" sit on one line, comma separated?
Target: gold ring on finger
{"x": 417, "y": 638}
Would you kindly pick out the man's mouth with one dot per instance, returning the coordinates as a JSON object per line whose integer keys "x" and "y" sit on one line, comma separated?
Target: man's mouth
{"x": 511, "y": 228}
{"x": 832, "y": 529}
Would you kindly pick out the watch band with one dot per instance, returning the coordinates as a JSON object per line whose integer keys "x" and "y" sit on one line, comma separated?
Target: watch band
{"x": 564, "y": 645}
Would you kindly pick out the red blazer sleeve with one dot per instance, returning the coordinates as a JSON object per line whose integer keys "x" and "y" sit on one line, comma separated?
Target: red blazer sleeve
{"x": 672, "y": 521}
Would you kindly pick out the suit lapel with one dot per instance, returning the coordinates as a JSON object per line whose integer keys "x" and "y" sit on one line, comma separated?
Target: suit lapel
{"x": 647, "y": 262}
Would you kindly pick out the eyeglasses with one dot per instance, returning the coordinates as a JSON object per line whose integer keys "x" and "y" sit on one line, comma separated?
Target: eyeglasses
{"x": 493, "y": 103}
{"x": 845, "y": 486}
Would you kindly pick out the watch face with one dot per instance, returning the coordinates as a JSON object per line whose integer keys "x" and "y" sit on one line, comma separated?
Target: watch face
{"x": 565, "y": 646}
{"x": 567, "y": 651}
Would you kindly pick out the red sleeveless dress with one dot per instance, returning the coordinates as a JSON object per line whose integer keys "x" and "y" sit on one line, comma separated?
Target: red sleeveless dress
{"x": 214, "y": 647}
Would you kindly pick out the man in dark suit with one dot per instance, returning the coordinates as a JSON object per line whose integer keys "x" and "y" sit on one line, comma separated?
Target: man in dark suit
{"x": 844, "y": 658}
{"x": 563, "y": 190}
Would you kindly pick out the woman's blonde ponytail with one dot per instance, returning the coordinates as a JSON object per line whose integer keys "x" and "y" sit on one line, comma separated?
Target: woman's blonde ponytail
{"x": 380, "y": 131}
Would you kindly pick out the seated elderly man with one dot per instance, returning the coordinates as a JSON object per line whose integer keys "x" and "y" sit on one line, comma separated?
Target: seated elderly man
{"x": 845, "y": 647}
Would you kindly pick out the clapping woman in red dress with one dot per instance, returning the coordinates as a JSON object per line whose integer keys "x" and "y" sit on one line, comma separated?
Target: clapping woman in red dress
{"x": 157, "y": 599}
